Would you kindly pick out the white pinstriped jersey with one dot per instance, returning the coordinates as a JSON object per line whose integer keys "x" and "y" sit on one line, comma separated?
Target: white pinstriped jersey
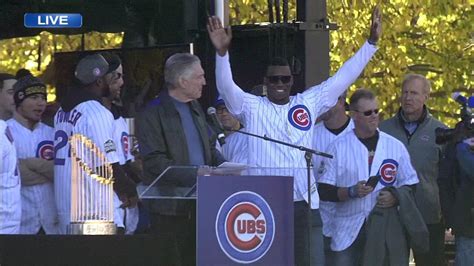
{"x": 95, "y": 122}
{"x": 351, "y": 165}
{"x": 10, "y": 197}
{"x": 321, "y": 140}
{"x": 38, "y": 207}
{"x": 235, "y": 148}
{"x": 124, "y": 146}
{"x": 291, "y": 122}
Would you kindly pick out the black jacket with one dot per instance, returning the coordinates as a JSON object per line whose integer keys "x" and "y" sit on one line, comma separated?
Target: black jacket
{"x": 456, "y": 187}
{"x": 162, "y": 140}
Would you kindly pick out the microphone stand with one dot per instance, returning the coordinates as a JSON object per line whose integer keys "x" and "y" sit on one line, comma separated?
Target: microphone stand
{"x": 308, "y": 155}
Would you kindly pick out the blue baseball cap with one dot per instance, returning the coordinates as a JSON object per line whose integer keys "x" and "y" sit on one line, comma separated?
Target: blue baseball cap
{"x": 219, "y": 101}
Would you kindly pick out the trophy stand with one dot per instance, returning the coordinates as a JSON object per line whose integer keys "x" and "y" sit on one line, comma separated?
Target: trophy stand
{"x": 92, "y": 204}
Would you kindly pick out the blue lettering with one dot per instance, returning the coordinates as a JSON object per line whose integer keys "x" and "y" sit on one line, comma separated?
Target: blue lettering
{"x": 68, "y": 117}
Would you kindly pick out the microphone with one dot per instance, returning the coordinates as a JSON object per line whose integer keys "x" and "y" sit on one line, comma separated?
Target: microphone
{"x": 211, "y": 112}
{"x": 470, "y": 102}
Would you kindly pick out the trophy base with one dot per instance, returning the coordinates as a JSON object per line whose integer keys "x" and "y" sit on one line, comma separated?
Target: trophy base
{"x": 92, "y": 228}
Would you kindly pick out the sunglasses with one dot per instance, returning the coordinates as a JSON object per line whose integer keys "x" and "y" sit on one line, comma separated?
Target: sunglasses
{"x": 369, "y": 112}
{"x": 221, "y": 110}
{"x": 275, "y": 79}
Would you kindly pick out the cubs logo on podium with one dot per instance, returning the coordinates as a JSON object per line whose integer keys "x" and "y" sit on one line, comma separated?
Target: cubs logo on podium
{"x": 245, "y": 227}
{"x": 388, "y": 172}
{"x": 299, "y": 117}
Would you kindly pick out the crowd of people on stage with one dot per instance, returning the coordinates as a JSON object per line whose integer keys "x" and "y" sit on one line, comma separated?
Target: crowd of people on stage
{"x": 390, "y": 187}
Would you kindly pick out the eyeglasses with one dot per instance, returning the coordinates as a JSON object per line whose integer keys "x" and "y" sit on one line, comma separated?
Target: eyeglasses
{"x": 221, "y": 110}
{"x": 369, "y": 112}
{"x": 275, "y": 79}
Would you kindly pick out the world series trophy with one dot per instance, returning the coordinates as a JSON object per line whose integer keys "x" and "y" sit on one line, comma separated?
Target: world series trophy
{"x": 92, "y": 204}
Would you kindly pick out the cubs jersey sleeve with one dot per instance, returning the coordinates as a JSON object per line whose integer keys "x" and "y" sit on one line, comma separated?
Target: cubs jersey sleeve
{"x": 235, "y": 148}
{"x": 351, "y": 165}
{"x": 95, "y": 122}
{"x": 122, "y": 140}
{"x": 126, "y": 218}
{"x": 10, "y": 198}
{"x": 38, "y": 203}
{"x": 291, "y": 122}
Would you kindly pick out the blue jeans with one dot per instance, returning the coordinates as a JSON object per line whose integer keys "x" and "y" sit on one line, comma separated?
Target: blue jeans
{"x": 464, "y": 251}
{"x": 301, "y": 242}
{"x": 351, "y": 256}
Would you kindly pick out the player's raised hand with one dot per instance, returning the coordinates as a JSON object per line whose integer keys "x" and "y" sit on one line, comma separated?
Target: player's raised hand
{"x": 376, "y": 26}
{"x": 220, "y": 37}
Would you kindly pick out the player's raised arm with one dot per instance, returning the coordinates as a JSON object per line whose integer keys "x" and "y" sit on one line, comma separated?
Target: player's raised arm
{"x": 327, "y": 92}
{"x": 232, "y": 94}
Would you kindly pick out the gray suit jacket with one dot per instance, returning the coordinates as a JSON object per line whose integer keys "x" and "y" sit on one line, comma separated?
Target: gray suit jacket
{"x": 389, "y": 228}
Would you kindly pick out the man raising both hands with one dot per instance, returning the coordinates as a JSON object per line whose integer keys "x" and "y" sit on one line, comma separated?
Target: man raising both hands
{"x": 274, "y": 116}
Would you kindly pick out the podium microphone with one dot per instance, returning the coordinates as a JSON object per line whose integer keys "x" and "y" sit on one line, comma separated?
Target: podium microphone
{"x": 211, "y": 112}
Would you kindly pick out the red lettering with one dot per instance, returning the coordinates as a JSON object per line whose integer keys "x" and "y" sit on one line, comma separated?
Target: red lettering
{"x": 251, "y": 226}
{"x": 241, "y": 227}
{"x": 302, "y": 116}
{"x": 260, "y": 227}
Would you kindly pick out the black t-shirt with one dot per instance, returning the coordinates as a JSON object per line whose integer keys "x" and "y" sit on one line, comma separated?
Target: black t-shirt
{"x": 338, "y": 131}
{"x": 371, "y": 144}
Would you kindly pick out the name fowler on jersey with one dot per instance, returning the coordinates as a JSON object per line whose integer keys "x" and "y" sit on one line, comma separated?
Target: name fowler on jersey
{"x": 299, "y": 117}
{"x": 68, "y": 117}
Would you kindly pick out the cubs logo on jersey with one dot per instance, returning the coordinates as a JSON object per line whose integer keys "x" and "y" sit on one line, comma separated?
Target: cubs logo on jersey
{"x": 245, "y": 227}
{"x": 125, "y": 144}
{"x": 299, "y": 117}
{"x": 388, "y": 172}
{"x": 45, "y": 150}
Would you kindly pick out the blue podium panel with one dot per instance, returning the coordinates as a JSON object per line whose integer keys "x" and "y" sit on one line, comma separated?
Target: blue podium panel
{"x": 245, "y": 220}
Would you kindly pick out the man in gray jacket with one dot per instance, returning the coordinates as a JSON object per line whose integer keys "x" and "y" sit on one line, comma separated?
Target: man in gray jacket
{"x": 415, "y": 127}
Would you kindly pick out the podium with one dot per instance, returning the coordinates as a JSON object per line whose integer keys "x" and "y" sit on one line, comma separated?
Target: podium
{"x": 243, "y": 215}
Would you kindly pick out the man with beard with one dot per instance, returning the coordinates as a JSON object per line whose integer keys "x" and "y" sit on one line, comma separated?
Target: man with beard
{"x": 82, "y": 113}
{"x": 358, "y": 154}
{"x": 288, "y": 119}
{"x": 114, "y": 80}
{"x": 35, "y": 153}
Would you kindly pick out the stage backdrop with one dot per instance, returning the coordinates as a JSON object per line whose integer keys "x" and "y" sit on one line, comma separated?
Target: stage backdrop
{"x": 142, "y": 72}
